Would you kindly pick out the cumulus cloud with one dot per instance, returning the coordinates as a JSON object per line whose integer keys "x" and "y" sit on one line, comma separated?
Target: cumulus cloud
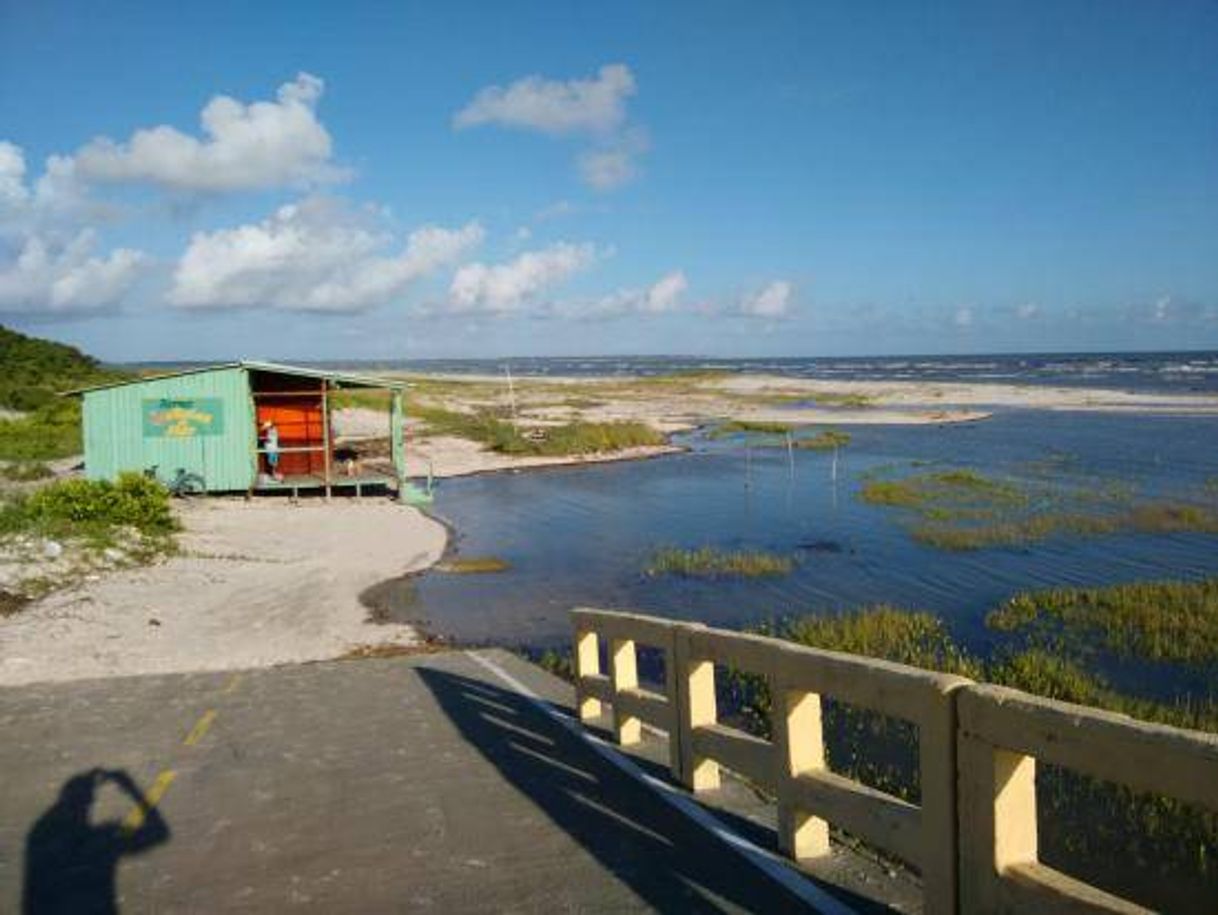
{"x": 504, "y": 288}
{"x": 49, "y": 277}
{"x": 593, "y": 108}
{"x": 244, "y": 146}
{"x": 558, "y": 107}
{"x": 772, "y": 301}
{"x": 13, "y": 191}
{"x": 313, "y": 256}
{"x": 57, "y": 198}
{"x": 1027, "y": 311}
{"x": 662, "y": 297}
{"x": 963, "y": 316}
{"x": 614, "y": 163}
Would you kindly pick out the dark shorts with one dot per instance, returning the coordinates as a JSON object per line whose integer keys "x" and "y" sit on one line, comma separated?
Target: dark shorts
{"x": 272, "y": 459}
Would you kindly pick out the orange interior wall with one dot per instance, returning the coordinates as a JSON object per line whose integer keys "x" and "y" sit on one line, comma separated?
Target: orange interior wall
{"x": 299, "y": 420}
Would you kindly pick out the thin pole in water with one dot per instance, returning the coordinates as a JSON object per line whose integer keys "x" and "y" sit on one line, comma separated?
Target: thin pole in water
{"x": 791, "y": 453}
{"x": 511, "y": 392}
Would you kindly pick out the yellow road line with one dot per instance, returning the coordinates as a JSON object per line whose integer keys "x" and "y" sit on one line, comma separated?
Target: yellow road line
{"x": 135, "y": 819}
{"x": 232, "y": 684}
{"x": 200, "y": 729}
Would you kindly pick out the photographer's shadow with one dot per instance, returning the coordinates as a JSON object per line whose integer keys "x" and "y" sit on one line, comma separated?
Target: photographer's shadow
{"x": 71, "y": 863}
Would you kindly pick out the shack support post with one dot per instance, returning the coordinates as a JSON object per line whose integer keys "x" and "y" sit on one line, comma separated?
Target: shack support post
{"x": 325, "y": 433}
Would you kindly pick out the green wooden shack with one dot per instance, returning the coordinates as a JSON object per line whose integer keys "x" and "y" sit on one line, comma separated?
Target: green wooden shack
{"x": 209, "y": 421}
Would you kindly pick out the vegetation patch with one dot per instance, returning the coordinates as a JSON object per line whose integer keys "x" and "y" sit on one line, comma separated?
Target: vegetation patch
{"x": 826, "y": 440}
{"x": 709, "y": 562}
{"x": 473, "y": 565}
{"x": 1168, "y": 621}
{"x": 844, "y": 401}
{"x": 746, "y": 426}
{"x": 573, "y": 438}
{"x": 26, "y": 472}
{"x": 35, "y": 372}
{"x": 962, "y": 509}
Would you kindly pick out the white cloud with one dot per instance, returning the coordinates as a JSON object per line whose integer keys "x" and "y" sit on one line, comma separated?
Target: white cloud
{"x": 595, "y": 105}
{"x": 662, "y": 297}
{"x": 12, "y": 175}
{"x": 963, "y": 316}
{"x": 1027, "y": 311}
{"x": 259, "y": 145}
{"x": 774, "y": 301}
{"x": 312, "y": 256}
{"x": 49, "y": 277}
{"x": 666, "y": 294}
{"x": 614, "y": 163}
{"x": 503, "y": 288}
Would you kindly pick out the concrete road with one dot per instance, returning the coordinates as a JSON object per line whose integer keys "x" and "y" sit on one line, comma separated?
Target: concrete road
{"x": 409, "y": 784}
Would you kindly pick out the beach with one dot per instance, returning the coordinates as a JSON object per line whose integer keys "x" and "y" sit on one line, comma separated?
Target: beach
{"x": 255, "y": 584}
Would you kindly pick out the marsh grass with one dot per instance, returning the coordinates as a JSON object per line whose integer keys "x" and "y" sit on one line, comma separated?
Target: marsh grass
{"x": 963, "y": 509}
{"x": 473, "y": 565}
{"x": 825, "y": 440}
{"x": 709, "y": 562}
{"x": 1168, "y": 621}
{"x": 845, "y": 401}
{"x": 750, "y": 426}
{"x": 496, "y": 434}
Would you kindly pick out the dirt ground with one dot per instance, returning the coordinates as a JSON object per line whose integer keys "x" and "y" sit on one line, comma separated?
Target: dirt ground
{"x": 256, "y": 584}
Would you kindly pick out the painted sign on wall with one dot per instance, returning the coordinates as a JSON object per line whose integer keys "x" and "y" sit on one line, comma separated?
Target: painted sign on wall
{"x": 167, "y": 418}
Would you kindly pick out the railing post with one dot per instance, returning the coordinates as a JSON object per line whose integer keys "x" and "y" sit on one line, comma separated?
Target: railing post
{"x": 997, "y": 815}
{"x": 799, "y": 747}
{"x": 587, "y": 664}
{"x": 624, "y": 673}
{"x": 696, "y": 693}
{"x": 937, "y": 766}
{"x": 672, "y": 691}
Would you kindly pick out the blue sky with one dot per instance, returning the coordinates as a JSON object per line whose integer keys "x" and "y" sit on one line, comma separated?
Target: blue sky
{"x": 397, "y": 180}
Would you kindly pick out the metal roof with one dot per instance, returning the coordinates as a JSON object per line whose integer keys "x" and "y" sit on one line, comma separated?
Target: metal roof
{"x": 342, "y": 378}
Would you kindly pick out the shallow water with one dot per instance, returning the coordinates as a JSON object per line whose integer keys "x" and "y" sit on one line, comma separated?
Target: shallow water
{"x": 582, "y": 536}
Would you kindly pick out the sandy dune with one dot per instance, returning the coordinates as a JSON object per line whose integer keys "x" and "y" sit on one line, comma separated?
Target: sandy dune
{"x": 258, "y": 583}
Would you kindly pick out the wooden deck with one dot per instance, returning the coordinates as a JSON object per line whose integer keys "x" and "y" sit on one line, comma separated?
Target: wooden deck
{"x": 295, "y": 483}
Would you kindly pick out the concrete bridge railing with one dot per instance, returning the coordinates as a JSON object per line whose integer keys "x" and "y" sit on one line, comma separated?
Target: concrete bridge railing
{"x": 973, "y": 834}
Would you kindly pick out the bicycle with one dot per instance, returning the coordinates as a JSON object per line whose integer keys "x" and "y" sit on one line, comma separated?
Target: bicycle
{"x": 183, "y": 484}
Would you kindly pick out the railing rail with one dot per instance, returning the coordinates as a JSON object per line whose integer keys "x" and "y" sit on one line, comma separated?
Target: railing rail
{"x": 973, "y": 834}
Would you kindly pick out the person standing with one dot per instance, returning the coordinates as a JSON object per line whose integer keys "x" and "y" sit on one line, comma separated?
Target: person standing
{"x": 270, "y": 447}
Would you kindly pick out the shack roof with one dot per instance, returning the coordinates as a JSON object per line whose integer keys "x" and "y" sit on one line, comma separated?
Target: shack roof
{"x": 340, "y": 378}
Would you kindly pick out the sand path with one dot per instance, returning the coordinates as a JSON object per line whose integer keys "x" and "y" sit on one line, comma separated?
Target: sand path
{"x": 257, "y": 584}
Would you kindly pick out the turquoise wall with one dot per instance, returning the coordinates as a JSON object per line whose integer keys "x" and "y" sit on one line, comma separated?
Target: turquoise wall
{"x": 119, "y": 435}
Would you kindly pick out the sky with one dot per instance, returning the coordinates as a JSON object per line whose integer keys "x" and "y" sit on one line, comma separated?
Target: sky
{"x": 394, "y": 180}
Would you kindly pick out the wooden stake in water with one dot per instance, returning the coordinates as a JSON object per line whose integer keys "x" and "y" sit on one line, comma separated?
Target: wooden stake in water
{"x": 833, "y": 472}
{"x": 791, "y": 453}
{"x": 748, "y": 467}
{"x": 511, "y": 392}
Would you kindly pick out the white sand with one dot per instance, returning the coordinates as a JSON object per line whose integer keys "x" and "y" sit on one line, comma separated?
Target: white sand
{"x": 259, "y": 583}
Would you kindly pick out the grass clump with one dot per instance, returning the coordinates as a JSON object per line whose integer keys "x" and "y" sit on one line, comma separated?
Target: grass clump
{"x": 26, "y": 472}
{"x": 745, "y": 426}
{"x": 962, "y": 509}
{"x": 474, "y": 565}
{"x": 709, "y": 562}
{"x": 546, "y": 441}
{"x": 825, "y": 440}
{"x": 845, "y": 401}
{"x": 1168, "y": 621}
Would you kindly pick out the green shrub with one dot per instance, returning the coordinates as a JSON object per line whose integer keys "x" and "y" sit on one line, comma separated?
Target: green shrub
{"x": 94, "y": 505}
